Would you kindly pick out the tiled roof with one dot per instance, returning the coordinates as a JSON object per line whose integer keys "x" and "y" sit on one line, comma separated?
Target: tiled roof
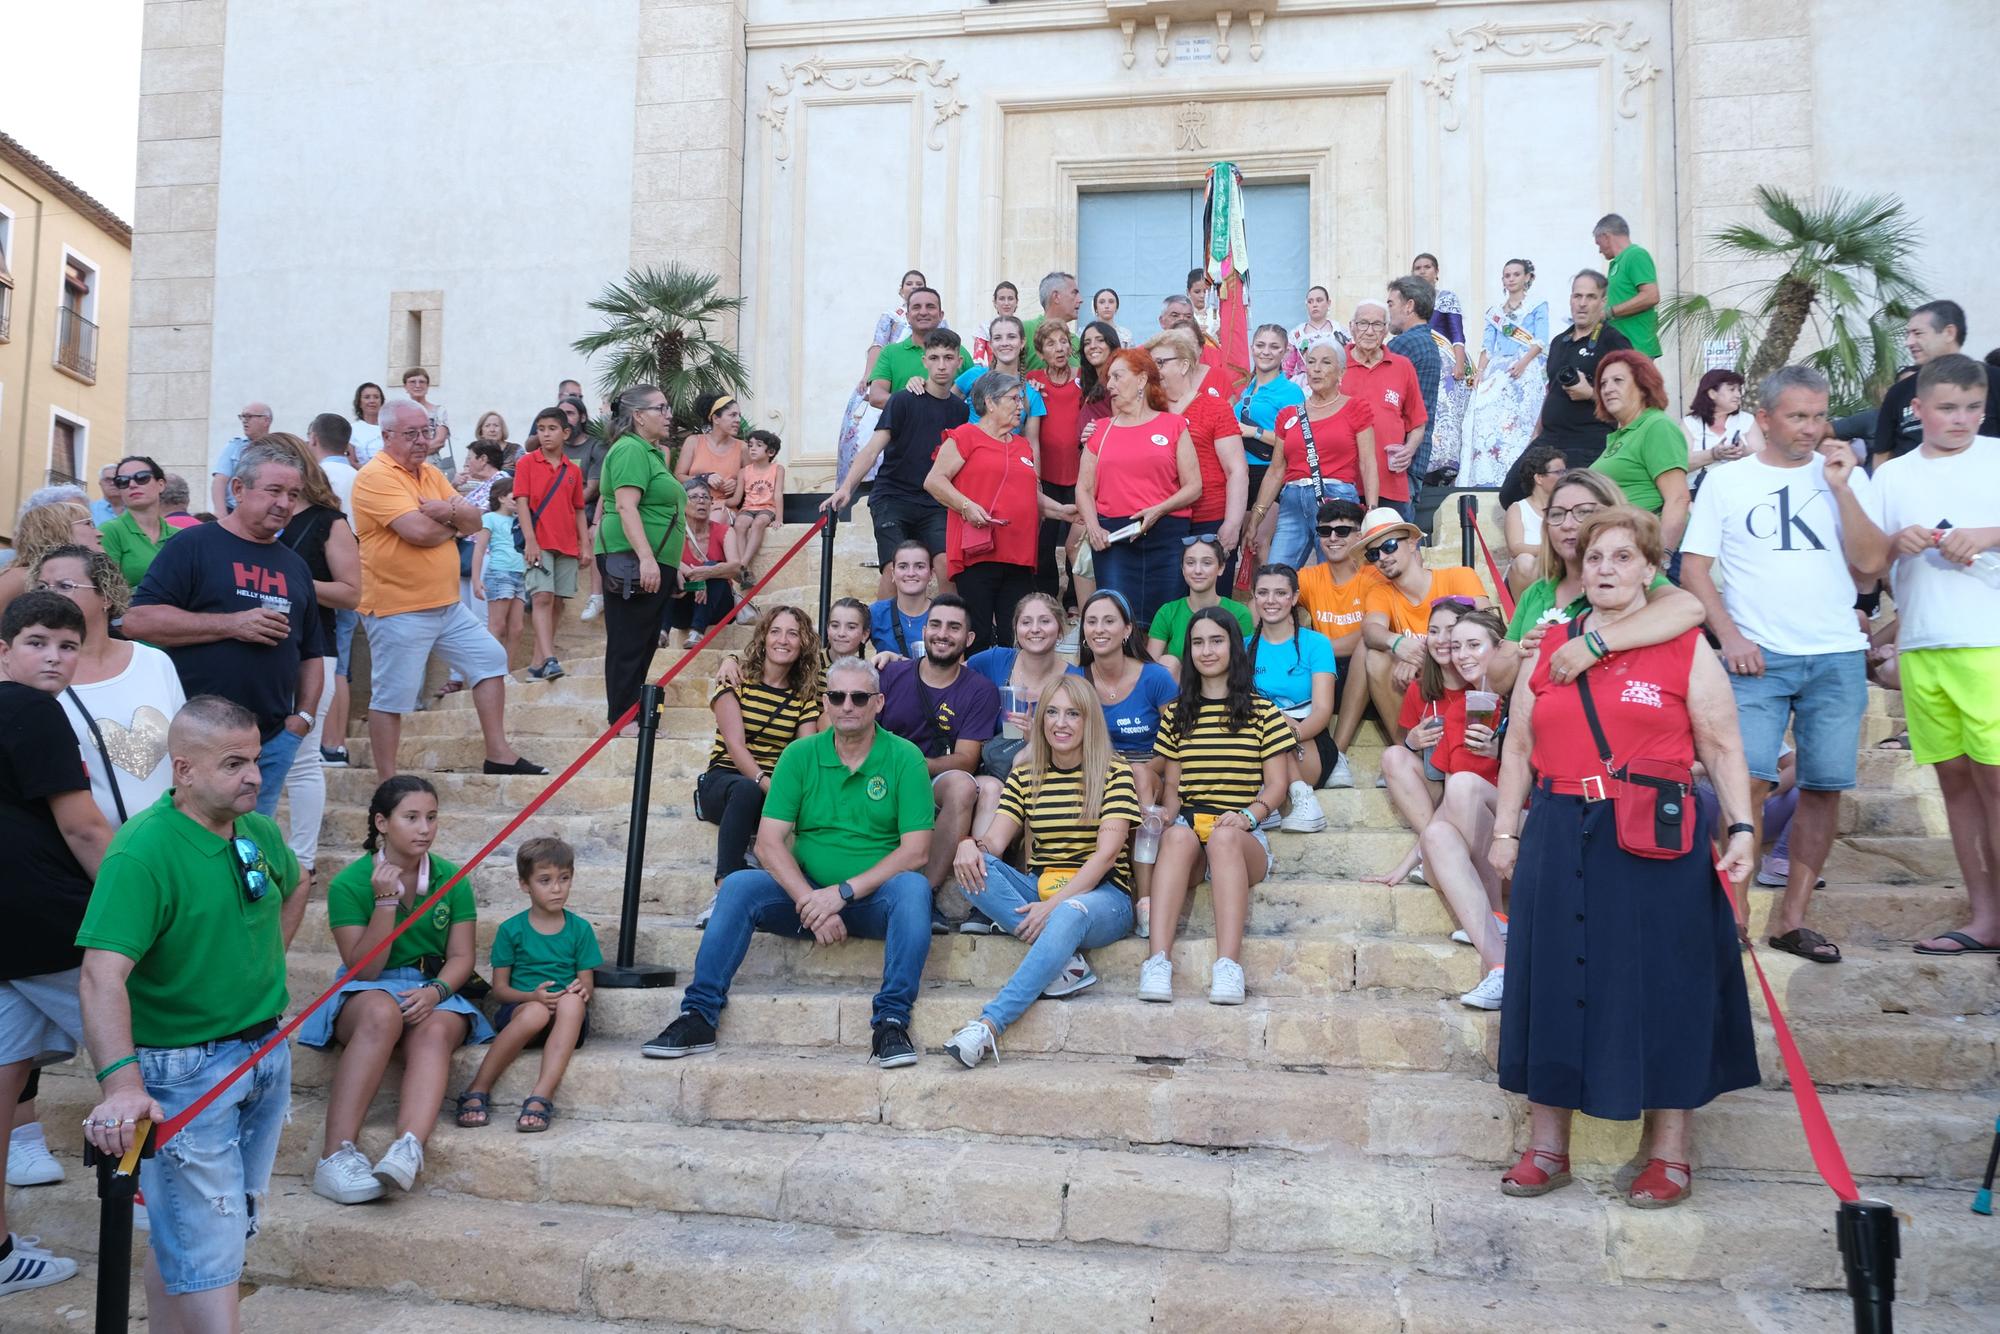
{"x": 14, "y": 151}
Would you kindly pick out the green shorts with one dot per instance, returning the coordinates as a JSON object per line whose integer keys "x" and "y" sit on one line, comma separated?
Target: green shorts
{"x": 1951, "y": 700}
{"x": 560, "y": 580}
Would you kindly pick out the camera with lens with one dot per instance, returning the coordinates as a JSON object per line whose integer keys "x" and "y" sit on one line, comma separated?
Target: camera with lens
{"x": 1571, "y": 377}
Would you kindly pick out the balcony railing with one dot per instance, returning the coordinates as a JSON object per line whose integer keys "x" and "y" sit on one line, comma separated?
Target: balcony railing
{"x": 76, "y": 344}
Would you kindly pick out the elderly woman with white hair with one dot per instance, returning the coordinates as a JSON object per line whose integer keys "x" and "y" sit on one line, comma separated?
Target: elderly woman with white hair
{"x": 986, "y": 479}
{"x": 1329, "y": 438}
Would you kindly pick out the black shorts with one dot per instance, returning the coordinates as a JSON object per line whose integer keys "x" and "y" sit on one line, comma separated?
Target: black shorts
{"x": 1329, "y": 754}
{"x": 900, "y": 519}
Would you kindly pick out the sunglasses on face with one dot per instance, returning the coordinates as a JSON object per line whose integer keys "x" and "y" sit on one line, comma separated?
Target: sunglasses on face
{"x": 1374, "y": 554}
{"x": 256, "y": 871}
{"x": 840, "y": 698}
{"x": 1338, "y": 529}
{"x": 139, "y": 478}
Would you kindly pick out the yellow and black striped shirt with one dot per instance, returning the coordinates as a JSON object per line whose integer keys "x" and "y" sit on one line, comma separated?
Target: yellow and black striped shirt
{"x": 772, "y": 716}
{"x": 1222, "y": 770}
{"x": 1062, "y": 838}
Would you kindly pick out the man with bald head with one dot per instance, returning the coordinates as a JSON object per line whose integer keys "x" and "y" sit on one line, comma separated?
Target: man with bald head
{"x": 255, "y": 421}
{"x": 1388, "y": 383}
{"x": 183, "y": 979}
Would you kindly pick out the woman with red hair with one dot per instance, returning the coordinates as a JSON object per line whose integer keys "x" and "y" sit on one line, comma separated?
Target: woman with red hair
{"x": 1135, "y": 486}
{"x": 1646, "y": 456}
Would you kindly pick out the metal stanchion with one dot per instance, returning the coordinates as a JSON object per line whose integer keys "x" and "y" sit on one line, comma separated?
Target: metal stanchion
{"x": 826, "y": 567}
{"x": 1468, "y": 516}
{"x": 117, "y": 1185}
{"x": 1869, "y": 1247}
{"x": 625, "y": 972}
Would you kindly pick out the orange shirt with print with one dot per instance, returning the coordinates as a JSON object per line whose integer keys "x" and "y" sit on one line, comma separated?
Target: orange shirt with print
{"x": 1408, "y": 619}
{"x": 399, "y": 576}
{"x": 1337, "y": 608}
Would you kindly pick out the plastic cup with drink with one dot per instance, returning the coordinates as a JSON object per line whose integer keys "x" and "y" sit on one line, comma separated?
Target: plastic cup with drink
{"x": 1146, "y": 843}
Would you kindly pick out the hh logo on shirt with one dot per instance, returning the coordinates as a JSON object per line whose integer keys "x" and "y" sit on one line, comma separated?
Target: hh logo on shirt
{"x": 267, "y": 586}
{"x": 1641, "y": 692}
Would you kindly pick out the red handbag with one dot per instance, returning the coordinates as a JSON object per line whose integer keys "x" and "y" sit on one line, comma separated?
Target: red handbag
{"x": 981, "y": 541}
{"x": 1652, "y": 801}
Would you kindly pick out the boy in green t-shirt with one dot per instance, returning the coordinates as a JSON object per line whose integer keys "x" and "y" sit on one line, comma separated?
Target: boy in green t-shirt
{"x": 542, "y": 962}
{"x": 1201, "y": 568}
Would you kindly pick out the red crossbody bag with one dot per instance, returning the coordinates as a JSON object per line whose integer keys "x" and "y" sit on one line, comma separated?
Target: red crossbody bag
{"x": 1651, "y": 800}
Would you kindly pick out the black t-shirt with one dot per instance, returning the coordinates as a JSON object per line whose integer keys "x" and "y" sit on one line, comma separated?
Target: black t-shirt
{"x": 307, "y": 534}
{"x": 1897, "y": 430}
{"x": 1566, "y": 422}
{"x": 210, "y": 570}
{"x": 45, "y": 890}
{"x": 916, "y": 424}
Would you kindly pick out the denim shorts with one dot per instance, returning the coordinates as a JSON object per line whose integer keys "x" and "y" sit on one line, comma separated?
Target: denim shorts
{"x": 504, "y": 585}
{"x": 1822, "y": 696}
{"x": 204, "y": 1186}
{"x": 344, "y": 621}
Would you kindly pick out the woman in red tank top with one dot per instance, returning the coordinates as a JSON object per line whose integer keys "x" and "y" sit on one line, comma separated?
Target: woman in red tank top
{"x": 1624, "y": 986}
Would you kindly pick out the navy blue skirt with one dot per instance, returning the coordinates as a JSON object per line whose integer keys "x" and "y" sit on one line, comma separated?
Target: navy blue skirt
{"x": 1624, "y": 981}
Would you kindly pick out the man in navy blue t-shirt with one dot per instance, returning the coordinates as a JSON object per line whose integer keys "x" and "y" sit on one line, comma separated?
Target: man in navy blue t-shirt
{"x": 235, "y": 609}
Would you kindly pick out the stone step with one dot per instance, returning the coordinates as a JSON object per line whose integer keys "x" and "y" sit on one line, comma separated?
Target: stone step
{"x": 458, "y": 1261}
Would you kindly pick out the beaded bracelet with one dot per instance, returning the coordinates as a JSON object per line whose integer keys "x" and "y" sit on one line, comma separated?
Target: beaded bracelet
{"x": 443, "y": 989}
{"x": 116, "y": 1066}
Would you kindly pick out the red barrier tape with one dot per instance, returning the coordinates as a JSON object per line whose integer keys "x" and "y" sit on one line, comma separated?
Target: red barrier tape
{"x": 1828, "y": 1159}
{"x": 201, "y": 1104}
{"x": 1500, "y": 589}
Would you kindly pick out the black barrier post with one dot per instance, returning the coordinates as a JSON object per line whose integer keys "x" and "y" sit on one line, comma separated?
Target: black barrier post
{"x": 626, "y": 973}
{"x": 117, "y": 1185}
{"x": 826, "y": 567}
{"x": 1869, "y": 1247}
{"x": 1468, "y": 515}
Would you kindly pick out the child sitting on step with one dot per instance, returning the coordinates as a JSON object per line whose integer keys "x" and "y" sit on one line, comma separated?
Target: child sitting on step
{"x": 542, "y": 962}
{"x": 763, "y": 502}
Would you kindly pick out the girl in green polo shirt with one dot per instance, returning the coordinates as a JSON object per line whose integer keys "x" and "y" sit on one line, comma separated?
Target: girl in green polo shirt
{"x": 407, "y": 997}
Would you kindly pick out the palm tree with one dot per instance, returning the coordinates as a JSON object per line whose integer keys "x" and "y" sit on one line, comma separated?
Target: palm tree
{"x": 1847, "y": 279}
{"x": 657, "y": 331}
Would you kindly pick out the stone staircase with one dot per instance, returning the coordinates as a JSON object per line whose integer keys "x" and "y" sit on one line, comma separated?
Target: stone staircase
{"x": 1324, "y": 1157}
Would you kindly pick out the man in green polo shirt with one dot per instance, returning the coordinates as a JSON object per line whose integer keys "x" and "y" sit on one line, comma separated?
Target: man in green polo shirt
{"x": 183, "y": 979}
{"x": 1631, "y": 298}
{"x": 1061, "y": 299}
{"x": 899, "y": 363}
{"x": 845, "y": 833}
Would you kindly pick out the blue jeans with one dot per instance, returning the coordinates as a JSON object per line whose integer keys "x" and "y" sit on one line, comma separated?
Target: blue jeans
{"x": 898, "y": 914}
{"x": 1091, "y": 920}
{"x": 1822, "y": 696}
{"x": 1146, "y": 569}
{"x": 204, "y": 1185}
{"x": 274, "y": 763}
{"x": 1294, "y": 541}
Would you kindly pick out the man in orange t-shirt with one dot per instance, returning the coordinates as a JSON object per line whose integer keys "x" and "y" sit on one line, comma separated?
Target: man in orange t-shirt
{"x": 1397, "y": 610}
{"x": 1334, "y": 593}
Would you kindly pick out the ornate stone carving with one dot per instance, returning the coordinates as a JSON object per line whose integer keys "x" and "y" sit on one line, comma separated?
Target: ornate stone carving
{"x": 1526, "y": 40}
{"x": 1190, "y": 124}
{"x": 856, "y": 73}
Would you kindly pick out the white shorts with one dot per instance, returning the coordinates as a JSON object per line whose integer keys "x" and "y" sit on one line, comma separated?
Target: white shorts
{"x": 400, "y": 645}
{"x": 41, "y": 1018}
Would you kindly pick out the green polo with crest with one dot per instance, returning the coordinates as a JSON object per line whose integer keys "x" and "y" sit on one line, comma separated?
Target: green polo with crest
{"x": 846, "y": 820}
{"x": 350, "y": 901}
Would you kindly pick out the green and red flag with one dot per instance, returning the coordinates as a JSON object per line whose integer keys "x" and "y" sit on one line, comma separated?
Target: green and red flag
{"x": 1227, "y": 258}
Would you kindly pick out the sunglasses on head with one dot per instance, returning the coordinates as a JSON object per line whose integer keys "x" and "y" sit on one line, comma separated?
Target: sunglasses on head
{"x": 839, "y": 698}
{"x": 1210, "y": 538}
{"x": 1377, "y": 552}
{"x": 1453, "y": 599}
{"x": 139, "y": 478}
{"x": 1338, "y": 529}
{"x": 256, "y": 871}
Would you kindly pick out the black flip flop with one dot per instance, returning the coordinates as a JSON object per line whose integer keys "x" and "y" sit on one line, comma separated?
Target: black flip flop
{"x": 1966, "y": 943}
{"x": 1806, "y": 943}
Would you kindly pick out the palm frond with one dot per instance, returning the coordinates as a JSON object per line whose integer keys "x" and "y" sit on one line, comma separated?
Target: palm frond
{"x": 662, "y": 327}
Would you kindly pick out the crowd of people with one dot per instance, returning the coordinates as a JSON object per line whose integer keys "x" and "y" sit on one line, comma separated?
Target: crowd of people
{"x": 1135, "y": 605}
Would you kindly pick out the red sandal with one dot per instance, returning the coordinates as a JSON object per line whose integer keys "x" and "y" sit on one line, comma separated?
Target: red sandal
{"x": 1653, "y": 1188}
{"x": 1527, "y": 1177}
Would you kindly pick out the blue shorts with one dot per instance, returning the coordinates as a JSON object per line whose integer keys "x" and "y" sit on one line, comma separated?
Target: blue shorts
{"x": 204, "y": 1186}
{"x": 317, "y": 1030}
{"x": 344, "y": 622}
{"x": 1821, "y": 696}
{"x": 502, "y": 585}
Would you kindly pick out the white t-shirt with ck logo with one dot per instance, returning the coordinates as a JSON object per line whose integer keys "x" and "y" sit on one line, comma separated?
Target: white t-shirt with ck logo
{"x": 1775, "y": 536}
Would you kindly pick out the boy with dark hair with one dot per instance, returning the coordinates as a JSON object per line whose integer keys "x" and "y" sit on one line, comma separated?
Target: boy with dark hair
{"x": 55, "y": 836}
{"x": 542, "y": 962}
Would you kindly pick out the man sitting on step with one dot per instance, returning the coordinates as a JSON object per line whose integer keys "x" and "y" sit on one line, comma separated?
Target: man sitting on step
{"x": 847, "y": 824}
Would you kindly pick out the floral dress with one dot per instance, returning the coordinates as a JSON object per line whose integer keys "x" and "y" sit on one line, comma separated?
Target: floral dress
{"x": 1454, "y": 395}
{"x": 1504, "y": 408}
{"x": 857, "y": 421}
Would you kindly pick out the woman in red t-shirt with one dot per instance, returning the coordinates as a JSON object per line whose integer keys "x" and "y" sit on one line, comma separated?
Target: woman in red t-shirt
{"x": 984, "y": 476}
{"x": 1137, "y": 478}
{"x": 1343, "y": 430}
{"x": 1062, "y": 447}
{"x": 1195, "y": 392}
{"x": 1409, "y": 768}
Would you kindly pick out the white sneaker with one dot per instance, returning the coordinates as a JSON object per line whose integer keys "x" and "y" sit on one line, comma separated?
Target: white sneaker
{"x": 1381, "y": 780}
{"x": 1156, "y": 979}
{"x": 1459, "y": 937}
{"x": 1305, "y": 816}
{"x": 1342, "y": 775}
{"x": 29, "y": 1266}
{"x": 31, "y": 1164}
{"x": 345, "y": 1178}
{"x": 1074, "y": 977}
{"x": 593, "y": 606}
{"x": 701, "y": 918}
{"x": 1416, "y": 875}
{"x": 1486, "y": 996}
{"x": 402, "y": 1162}
{"x": 1225, "y": 983}
{"x": 1142, "y": 919}
{"x": 971, "y": 1043}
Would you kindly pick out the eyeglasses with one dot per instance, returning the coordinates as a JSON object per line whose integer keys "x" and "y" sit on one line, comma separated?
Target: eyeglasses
{"x": 1371, "y": 324}
{"x": 840, "y": 698}
{"x": 412, "y": 433}
{"x": 256, "y": 871}
{"x": 253, "y": 416}
{"x": 1338, "y": 529}
{"x": 650, "y": 407}
{"x": 1577, "y": 512}
{"x": 139, "y": 478}
{"x": 1389, "y": 548}
{"x": 65, "y": 587}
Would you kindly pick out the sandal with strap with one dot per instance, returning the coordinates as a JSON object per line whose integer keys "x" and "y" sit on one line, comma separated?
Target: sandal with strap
{"x": 1527, "y": 1177}
{"x": 1807, "y": 944}
{"x": 534, "y": 1120}
{"x": 1655, "y": 1188}
{"x": 472, "y": 1110}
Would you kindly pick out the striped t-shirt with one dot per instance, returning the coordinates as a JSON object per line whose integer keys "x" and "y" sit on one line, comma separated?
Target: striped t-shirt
{"x": 1055, "y": 815}
{"x": 1222, "y": 770}
{"x": 772, "y": 716}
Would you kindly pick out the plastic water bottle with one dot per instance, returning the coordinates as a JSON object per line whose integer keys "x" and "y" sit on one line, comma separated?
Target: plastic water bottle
{"x": 1146, "y": 843}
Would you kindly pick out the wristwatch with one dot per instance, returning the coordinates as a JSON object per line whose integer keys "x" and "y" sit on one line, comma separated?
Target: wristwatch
{"x": 846, "y": 892}
{"x": 305, "y": 714}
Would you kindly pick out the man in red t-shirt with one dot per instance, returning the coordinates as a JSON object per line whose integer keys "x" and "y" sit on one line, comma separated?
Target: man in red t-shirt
{"x": 549, "y": 489}
{"x": 1389, "y": 383}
